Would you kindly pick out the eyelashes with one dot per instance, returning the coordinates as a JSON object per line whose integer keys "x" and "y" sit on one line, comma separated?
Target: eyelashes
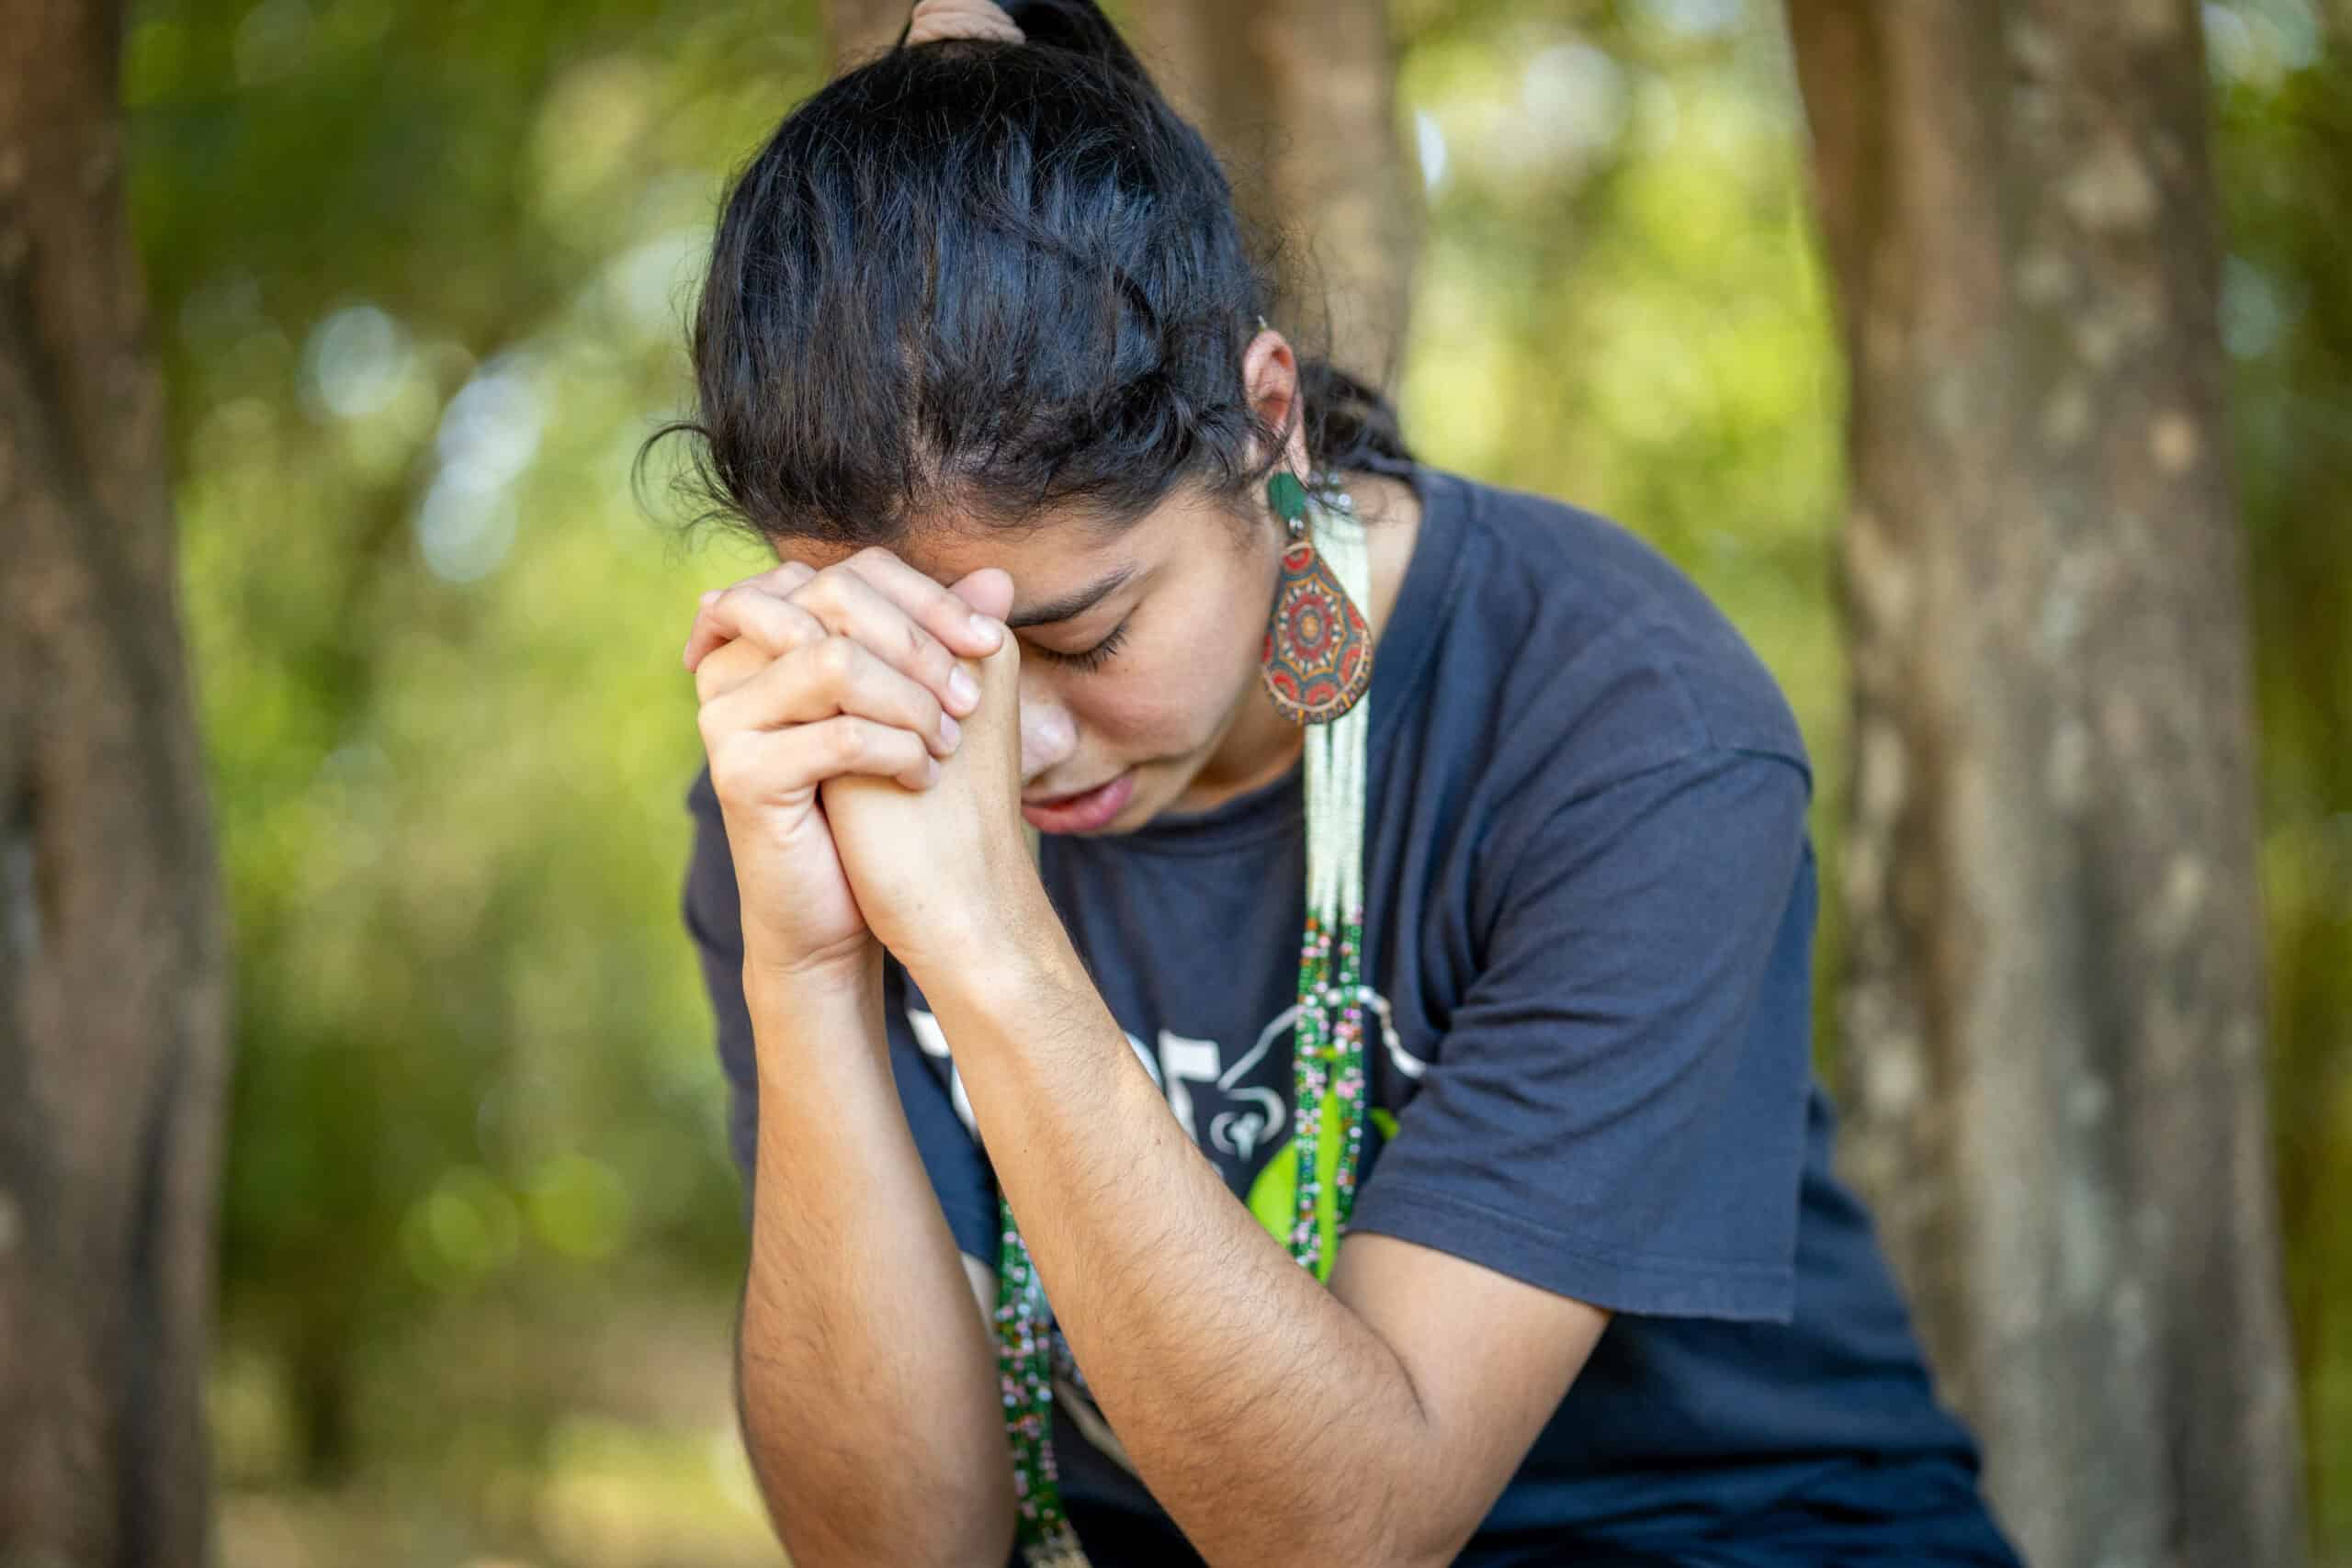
{"x": 1093, "y": 657}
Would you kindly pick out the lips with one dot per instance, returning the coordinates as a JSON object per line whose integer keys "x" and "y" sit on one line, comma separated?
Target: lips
{"x": 1086, "y": 811}
{"x": 1063, "y": 800}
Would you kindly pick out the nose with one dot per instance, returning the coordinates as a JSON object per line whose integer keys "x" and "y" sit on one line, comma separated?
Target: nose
{"x": 1049, "y": 734}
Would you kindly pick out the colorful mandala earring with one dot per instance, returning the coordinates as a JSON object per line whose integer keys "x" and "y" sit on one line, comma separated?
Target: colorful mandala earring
{"x": 1318, "y": 658}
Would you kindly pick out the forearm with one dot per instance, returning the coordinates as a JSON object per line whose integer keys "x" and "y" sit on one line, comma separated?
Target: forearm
{"x": 1209, "y": 1349}
{"x": 868, "y": 1381}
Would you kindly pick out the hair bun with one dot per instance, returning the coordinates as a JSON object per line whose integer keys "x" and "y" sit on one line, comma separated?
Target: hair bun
{"x": 1080, "y": 26}
{"x": 934, "y": 20}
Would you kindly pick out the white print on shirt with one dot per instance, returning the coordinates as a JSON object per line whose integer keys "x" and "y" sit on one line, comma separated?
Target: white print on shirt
{"x": 934, "y": 1041}
{"x": 1184, "y": 1061}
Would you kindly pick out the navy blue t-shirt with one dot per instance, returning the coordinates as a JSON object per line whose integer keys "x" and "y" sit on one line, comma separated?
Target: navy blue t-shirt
{"x": 1590, "y": 897}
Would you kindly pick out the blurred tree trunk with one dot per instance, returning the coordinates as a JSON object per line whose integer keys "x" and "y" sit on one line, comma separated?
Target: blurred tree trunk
{"x": 1298, "y": 97}
{"x": 113, "y": 968}
{"x": 2054, "y": 1012}
{"x": 859, "y": 27}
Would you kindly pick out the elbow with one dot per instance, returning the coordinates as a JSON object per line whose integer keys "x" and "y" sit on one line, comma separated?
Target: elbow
{"x": 933, "y": 1533}
{"x": 903, "y": 1508}
{"x": 1361, "y": 1542}
{"x": 1429, "y": 1531}
{"x": 986, "y": 1541}
{"x": 1419, "y": 1548}
{"x": 1413, "y": 1548}
{"x": 975, "y": 1532}
{"x": 1410, "y": 1527}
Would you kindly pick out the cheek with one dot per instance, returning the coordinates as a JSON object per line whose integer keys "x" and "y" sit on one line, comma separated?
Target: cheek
{"x": 1171, "y": 696}
{"x": 1172, "y": 705}
{"x": 1135, "y": 710}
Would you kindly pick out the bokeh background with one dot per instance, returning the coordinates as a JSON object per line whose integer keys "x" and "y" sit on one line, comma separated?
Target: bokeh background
{"x": 420, "y": 273}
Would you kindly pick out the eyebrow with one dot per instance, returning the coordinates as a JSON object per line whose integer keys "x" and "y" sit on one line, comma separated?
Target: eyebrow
{"x": 1070, "y": 604}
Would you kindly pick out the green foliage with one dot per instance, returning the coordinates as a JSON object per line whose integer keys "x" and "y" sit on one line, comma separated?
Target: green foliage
{"x": 420, "y": 274}
{"x": 1621, "y": 305}
{"x": 2284, "y": 158}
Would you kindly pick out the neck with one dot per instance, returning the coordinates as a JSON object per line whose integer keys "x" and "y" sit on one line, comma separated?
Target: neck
{"x": 1260, "y": 745}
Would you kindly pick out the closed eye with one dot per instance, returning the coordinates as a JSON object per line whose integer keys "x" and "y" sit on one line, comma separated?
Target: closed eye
{"x": 1093, "y": 657}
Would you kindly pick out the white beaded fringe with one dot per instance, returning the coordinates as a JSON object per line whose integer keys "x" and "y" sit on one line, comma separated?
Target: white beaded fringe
{"x": 1335, "y": 751}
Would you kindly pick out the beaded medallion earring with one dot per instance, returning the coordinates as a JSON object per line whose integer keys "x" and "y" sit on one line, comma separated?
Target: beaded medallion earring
{"x": 1317, "y": 660}
{"x": 1318, "y": 667}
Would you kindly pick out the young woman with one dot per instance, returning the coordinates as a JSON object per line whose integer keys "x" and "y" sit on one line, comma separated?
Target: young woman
{"x": 1317, "y": 945}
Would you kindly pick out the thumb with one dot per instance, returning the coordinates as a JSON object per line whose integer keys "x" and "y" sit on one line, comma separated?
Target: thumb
{"x": 988, "y": 591}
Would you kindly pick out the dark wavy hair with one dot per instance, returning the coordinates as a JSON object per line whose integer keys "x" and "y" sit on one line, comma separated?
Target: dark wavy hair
{"x": 992, "y": 277}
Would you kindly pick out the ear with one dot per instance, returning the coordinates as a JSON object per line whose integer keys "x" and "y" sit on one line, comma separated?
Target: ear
{"x": 1269, "y": 378}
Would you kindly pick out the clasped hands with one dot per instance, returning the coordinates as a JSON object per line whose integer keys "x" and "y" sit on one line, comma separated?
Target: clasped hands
{"x": 868, "y": 796}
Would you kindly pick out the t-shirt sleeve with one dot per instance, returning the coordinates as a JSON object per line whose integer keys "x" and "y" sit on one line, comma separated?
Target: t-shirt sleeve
{"x": 713, "y": 912}
{"x": 1601, "y": 1115}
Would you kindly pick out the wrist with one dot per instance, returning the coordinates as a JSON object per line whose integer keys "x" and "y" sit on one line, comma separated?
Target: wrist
{"x": 1004, "y": 951}
{"x": 797, "y": 1010}
{"x": 853, "y": 972}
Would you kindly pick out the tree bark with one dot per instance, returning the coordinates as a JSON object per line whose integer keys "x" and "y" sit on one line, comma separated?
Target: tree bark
{"x": 2054, "y": 1007}
{"x": 113, "y": 964}
{"x": 858, "y": 28}
{"x": 1298, "y": 98}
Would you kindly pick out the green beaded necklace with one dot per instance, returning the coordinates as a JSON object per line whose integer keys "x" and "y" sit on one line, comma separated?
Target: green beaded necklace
{"x": 1328, "y": 1041}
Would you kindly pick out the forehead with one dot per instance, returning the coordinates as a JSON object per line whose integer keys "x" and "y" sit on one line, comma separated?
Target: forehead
{"x": 1046, "y": 560}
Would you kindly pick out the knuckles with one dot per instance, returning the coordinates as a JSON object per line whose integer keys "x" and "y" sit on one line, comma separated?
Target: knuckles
{"x": 792, "y": 611}
{"x": 732, "y": 778}
{"x": 833, "y": 589}
{"x": 724, "y": 668}
{"x": 836, "y": 659}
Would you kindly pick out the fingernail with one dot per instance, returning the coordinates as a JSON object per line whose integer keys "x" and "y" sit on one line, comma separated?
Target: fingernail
{"x": 962, "y": 690}
{"x": 709, "y": 595}
{"x": 949, "y": 731}
{"x": 985, "y": 628}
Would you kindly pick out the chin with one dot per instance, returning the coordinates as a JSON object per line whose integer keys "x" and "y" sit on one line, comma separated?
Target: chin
{"x": 1161, "y": 782}
{"x": 1148, "y": 798}
{"x": 1158, "y": 786}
